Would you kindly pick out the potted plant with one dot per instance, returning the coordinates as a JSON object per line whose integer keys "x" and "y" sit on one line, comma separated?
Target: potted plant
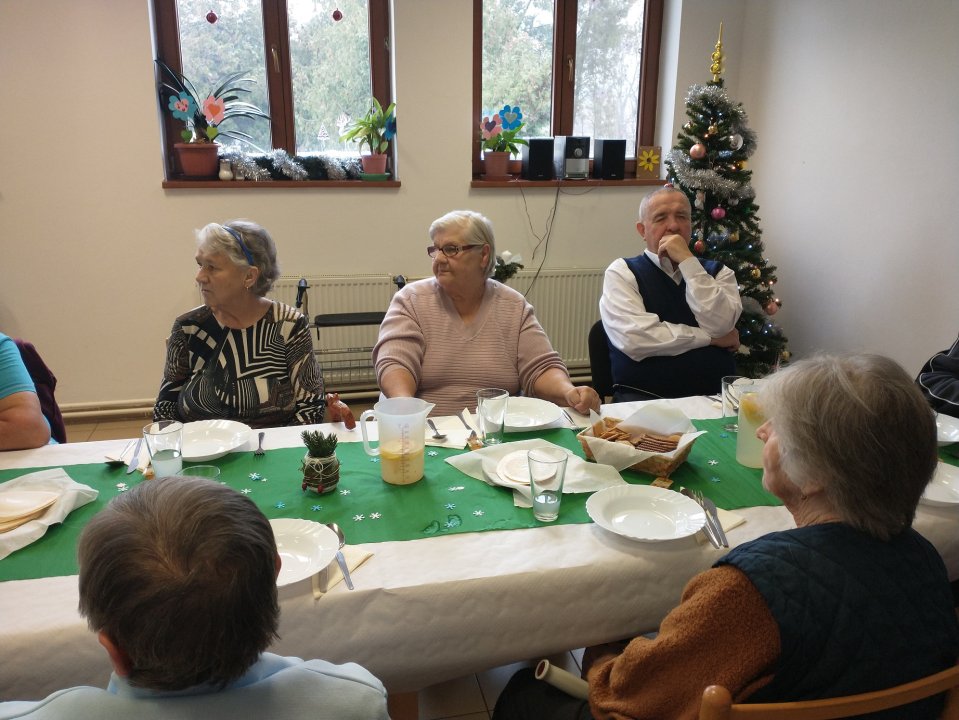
{"x": 198, "y": 151}
{"x": 500, "y": 141}
{"x": 375, "y": 130}
{"x": 507, "y": 265}
{"x": 321, "y": 467}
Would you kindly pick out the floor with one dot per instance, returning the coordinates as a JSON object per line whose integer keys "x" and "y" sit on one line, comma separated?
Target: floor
{"x": 466, "y": 698}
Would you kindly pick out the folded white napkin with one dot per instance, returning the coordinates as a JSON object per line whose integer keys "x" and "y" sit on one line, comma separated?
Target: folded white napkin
{"x": 72, "y": 495}
{"x": 727, "y": 519}
{"x": 456, "y": 433}
{"x": 581, "y": 476}
{"x": 331, "y": 574}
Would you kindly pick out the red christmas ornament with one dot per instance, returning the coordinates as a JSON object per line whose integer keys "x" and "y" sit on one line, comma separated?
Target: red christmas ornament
{"x": 697, "y": 151}
{"x": 699, "y": 246}
{"x": 211, "y": 17}
{"x": 717, "y": 213}
{"x": 337, "y": 15}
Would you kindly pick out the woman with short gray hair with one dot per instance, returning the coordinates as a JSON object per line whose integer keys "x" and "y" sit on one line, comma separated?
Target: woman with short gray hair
{"x": 851, "y": 600}
{"x": 240, "y": 356}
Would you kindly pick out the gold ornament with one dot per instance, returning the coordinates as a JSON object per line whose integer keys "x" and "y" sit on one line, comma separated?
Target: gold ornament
{"x": 712, "y": 129}
{"x": 717, "y": 57}
{"x": 755, "y": 273}
{"x": 786, "y": 355}
{"x": 734, "y": 236}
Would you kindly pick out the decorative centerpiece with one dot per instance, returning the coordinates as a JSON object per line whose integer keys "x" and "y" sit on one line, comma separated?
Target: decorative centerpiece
{"x": 198, "y": 153}
{"x": 375, "y": 130}
{"x": 321, "y": 467}
{"x": 507, "y": 265}
{"x": 500, "y": 141}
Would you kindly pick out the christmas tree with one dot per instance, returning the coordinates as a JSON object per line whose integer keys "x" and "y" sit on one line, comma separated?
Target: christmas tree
{"x": 708, "y": 163}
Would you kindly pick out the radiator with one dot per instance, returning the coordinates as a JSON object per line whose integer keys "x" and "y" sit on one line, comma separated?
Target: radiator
{"x": 566, "y": 303}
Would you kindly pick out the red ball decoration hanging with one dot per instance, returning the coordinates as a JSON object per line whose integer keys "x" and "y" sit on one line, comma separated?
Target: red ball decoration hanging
{"x": 211, "y": 17}
{"x": 772, "y": 308}
{"x": 337, "y": 15}
{"x": 697, "y": 151}
{"x": 717, "y": 213}
{"x": 699, "y": 246}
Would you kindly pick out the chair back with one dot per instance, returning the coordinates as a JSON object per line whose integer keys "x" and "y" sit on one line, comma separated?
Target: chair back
{"x": 599, "y": 364}
{"x": 718, "y": 705}
{"x": 46, "y": 383}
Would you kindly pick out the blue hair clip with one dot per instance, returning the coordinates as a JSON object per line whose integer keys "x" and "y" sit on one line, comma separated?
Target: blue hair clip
{"x": 239, "y": 240}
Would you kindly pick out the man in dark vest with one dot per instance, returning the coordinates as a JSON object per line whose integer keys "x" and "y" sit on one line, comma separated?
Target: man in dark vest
{"x": 669, "y": 316}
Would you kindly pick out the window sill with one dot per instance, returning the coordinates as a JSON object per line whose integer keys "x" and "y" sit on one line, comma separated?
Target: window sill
{"x": 586, "y": 182}
{"x": 269, "y": 184}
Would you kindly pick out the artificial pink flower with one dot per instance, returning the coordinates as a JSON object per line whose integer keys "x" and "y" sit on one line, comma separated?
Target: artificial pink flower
{"x": 213, "y": 109}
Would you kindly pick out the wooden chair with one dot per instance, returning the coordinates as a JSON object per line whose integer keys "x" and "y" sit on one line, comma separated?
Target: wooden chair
{"x": 718, "y": 705}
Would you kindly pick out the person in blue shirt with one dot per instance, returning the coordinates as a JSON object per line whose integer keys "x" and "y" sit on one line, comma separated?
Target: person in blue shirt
{"x": 22, "y": 424}
{"x": 178, "y": 581}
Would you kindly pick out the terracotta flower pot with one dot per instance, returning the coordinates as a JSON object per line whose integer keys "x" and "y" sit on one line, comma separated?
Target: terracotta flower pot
{"x": 373, "y": 164}
{"x": 497, "y": 165}
{"x": 198, "y": 160}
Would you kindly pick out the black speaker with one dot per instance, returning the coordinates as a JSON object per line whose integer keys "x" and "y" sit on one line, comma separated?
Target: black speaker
{"x": 571, "y": 157}
{"x": 538, "y": 159}
{"x": 609, "y": 159}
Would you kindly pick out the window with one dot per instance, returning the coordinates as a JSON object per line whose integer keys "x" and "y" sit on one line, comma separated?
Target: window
{"x": 575, "y": 67}
{"x": 313, "y": 72}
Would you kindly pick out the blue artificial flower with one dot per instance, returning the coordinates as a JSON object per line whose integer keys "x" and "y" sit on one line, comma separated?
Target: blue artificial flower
{"x": 183, "y": 106}
{"x": 389, "y": 132}
{"x": 512, "y": 117}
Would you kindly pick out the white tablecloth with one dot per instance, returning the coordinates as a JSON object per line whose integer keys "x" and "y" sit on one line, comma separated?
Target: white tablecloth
{"x": 423, "y": 611}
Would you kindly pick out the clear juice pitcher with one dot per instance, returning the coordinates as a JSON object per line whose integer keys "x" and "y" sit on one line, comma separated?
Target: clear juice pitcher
{"x": 401, "y": 424}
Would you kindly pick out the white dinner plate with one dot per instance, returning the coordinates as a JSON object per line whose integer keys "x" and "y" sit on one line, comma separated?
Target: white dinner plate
{"x": 16, "y": 504}
{"x": 514, "y": 467}
{"x": 943, "y": 489}
{"x": 525, "y": 413}
{"x": 645, "y": 513}
{"x": 212, "y": 439}
{"x": 947, "y": 429}
{"x": 305, "y": 548}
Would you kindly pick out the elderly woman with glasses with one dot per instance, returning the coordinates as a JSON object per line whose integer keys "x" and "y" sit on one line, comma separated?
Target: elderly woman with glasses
{"x": 448, "y": 336}
{"x": 240, "y": 356}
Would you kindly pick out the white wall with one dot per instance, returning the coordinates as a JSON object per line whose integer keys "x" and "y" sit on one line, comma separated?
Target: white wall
{"x": 98, "y": 258}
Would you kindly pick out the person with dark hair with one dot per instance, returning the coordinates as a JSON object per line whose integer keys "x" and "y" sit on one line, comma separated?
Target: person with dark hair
{"x": 178, "y": 581}
{"x": 670, "y": 317}
{"x": 939, "y": 381}
{"x": 851, "y": 600}
{"x": 240, "y": 356}
{"x": 22, "y": 423}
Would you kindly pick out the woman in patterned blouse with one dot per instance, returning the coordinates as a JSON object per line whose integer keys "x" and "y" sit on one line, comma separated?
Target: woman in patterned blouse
{"x": 240, "y": 355}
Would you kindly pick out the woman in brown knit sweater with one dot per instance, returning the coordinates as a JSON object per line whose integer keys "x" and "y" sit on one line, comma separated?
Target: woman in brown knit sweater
{"x": 852, "y": 600}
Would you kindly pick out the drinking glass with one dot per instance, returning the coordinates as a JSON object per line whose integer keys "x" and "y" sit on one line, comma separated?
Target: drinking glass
{"x": 164, "y": 441}
{"x": 732, "y": 385}
{"x": 547, "y": 471}
{"x": 491, "y": 413}
{"x": 749, "y": 448}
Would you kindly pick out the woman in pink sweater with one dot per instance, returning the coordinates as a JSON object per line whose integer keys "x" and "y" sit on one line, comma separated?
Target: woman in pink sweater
{"x": 448, "y": 336}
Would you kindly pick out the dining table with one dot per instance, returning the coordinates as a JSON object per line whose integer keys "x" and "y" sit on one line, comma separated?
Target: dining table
{"x": 458, "y": 580}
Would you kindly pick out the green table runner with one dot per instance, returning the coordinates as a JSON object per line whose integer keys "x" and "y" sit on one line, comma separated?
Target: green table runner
{"x": 369, "y": 510}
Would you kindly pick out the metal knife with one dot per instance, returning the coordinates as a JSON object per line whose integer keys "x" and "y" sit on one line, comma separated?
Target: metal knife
{"x": 717, "y": 525}
{"x": 135, "y": 459}
{"x": 708, "y": 527}
{"x": 344, "y": 569}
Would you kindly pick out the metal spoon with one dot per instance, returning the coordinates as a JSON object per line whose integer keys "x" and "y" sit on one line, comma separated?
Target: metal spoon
{"x": 339, "y": 555}
{"x": 437, "y": 435}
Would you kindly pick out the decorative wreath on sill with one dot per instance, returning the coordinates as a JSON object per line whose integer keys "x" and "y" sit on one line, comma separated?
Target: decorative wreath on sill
{"x": 279, "y": 165}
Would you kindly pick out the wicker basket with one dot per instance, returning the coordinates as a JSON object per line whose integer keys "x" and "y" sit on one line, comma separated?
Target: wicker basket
{"x": 658, "y": 465}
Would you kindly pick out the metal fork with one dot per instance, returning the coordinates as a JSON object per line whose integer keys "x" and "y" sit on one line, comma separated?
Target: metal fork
{"x": 711, "y": 519}
{"x": 259, "y": 452}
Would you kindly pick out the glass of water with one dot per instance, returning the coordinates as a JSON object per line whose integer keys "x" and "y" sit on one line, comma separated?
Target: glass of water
{"x": 547, "y": 471}
{"x": 164, "y": 440}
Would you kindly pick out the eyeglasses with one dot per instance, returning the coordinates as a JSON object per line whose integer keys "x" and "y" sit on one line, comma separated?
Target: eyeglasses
{"x": 450, "y": 250}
